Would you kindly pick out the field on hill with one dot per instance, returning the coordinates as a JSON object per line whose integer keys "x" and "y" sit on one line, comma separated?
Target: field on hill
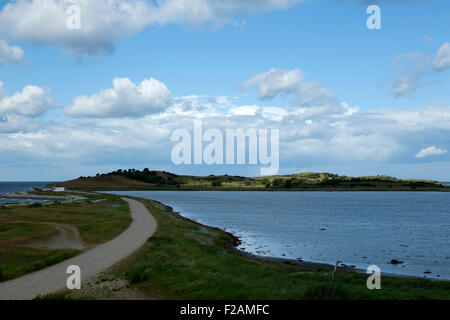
{"x": 105, "y": 182}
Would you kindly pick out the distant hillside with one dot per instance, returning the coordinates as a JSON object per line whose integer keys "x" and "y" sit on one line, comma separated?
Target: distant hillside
{"x": 103, "y": 182}
{"x": 329, "y": 178}
{"x": 132, "y": 179}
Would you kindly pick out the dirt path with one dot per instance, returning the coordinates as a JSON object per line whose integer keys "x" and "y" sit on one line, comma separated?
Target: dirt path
{"x": 67, "y": 237}
{"x": 92, "y": 262}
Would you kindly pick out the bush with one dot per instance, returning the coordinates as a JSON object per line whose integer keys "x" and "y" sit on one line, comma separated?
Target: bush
{"x": 138, "y": 273}
{"x": 35, "y": 205}
{"x": 216, "y": 183}
{"x": 323, "y": 292}
{"x": 2, "y": 276}
{"x": 53, "y": 296}
{"x": 278, "y": 183}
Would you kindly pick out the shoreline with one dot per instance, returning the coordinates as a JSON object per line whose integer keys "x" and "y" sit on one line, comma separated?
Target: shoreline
{"x": 235, "y": 241}
{"x": 94, "y": 189}
{"x": 40, "y": 198}
{"x": 33, "y": 197}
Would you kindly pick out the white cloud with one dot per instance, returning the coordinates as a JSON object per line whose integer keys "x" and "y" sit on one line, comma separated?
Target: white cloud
{"x": 326, "y": 136}
{"x": 442, "y": 59}
{"x": 216, "y": 12}
{"x": 125, "y": 99}
{"x": 105, "y": 21}
{"x": 45, "y": 23}
{"x": 311, "y": 94}
{"x": 31, "y": 101}
{"x": 430, "y": 151}
{"x": 275, "y": 82}
{"x": 245, "y": 110}
{"x": 433, "y": 117}
{"x": 411, "y": 68}
{"x": 15, "y": 123}
{"x": 9, "y": 53}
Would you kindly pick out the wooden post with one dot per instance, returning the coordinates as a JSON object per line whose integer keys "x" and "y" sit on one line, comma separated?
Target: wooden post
{"x": 334, "y": 274}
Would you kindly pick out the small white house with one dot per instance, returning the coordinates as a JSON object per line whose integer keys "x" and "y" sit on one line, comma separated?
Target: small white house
{"x": 59, "y": 189}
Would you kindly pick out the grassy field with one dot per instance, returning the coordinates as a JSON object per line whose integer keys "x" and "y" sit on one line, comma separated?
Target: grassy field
{"x": 97, "y": 219}
{"x": 185, "y": 260}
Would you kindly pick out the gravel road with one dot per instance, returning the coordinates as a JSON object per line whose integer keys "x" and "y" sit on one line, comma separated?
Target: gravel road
{"x": 92, "y": 262}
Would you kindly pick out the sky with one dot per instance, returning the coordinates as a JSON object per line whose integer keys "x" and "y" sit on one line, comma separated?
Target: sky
{"x": 346, "y": 99}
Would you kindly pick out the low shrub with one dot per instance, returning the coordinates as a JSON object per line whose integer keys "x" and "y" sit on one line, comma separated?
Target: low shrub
{"x": 35, "y": 205}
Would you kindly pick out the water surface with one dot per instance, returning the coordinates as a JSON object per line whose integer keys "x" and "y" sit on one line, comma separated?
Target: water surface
{"x": 357, "y": 228}
{"x": 11, "y": 187}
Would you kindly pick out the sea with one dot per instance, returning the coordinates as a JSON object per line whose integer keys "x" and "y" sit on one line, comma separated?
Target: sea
{"x": 357, "y": 228}
{"x": 11, "y": 187}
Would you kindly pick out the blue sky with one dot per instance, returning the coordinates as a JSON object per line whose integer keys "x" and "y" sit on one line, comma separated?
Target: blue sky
{"x": 396, "y": 80}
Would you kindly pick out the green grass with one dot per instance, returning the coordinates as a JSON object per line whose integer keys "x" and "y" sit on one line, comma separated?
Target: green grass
{"x": 21, "y": 261}
{"x": 185, "y": 260}
{"x": 97, "y": 222}
{"x": 47, "y": 193}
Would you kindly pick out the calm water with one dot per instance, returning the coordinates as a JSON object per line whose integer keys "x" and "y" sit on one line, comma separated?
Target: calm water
{"x": 11, "y": 187}
{"x": 359, "y": 228}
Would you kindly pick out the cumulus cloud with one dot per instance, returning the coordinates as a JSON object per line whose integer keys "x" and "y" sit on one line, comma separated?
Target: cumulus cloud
{"x": 320, "y": 136}
{"x": 45, "y": 23}
{"x": 275, "y": 82}
{"x": 410, "y": 68}
{"x": 9, "y": 53}
{"x": 430, "y": 151}
{"x": 105, "y": 21}
{"x": 381, "y": 1}
{"x": 124, "y": 99}
{"x": 14, "y": 123}
{"x": 216, "y": 12}
{"x": 32, "y": 101}
{"x": 432, "y": 117}
{"x": 311, "y": 94}
{"x": 442, "y": 60}
{"x": 138, "y": 118}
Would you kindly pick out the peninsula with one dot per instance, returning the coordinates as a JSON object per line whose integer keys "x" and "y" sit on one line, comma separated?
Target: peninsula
{"x": 132, "y": 179}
